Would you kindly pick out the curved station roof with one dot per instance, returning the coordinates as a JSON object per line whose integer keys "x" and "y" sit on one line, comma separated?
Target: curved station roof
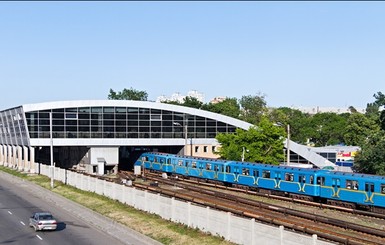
{"x": 120, "y": 123}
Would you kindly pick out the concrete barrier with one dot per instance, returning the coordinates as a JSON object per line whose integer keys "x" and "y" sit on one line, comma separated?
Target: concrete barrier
{"x": 224, "y": 224}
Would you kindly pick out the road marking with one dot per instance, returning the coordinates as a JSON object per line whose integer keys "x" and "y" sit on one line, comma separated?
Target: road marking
{"x": 39, "y": 237}
{"x": 22, "y": 222}
{"x": 9, "y": 212}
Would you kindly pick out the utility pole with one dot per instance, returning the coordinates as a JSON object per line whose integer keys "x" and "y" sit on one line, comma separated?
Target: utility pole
{"x": 288, "y": 144}
{"x": 185, "y": 137}
{"x": 51, "y": 148}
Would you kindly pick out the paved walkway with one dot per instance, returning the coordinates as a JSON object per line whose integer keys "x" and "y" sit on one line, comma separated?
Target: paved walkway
{"x": 109, "y": 226}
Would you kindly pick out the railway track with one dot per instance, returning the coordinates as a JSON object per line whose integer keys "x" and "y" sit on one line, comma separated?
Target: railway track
{"x": 328, "y": 228}
{"x": 280, "y": 198}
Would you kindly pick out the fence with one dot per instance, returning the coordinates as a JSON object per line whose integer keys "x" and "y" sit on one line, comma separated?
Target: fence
{"x": 224, "y": 224}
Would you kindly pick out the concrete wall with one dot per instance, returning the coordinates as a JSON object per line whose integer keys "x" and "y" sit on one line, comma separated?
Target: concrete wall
{"x": 235, "y": 229}
{"x": 109, "y": 154}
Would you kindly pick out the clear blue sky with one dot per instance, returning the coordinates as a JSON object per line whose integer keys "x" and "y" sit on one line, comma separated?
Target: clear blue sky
{"x": 327, "y": 54}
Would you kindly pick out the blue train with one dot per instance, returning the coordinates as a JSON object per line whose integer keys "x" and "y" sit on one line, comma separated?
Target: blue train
{"x": 338, "y": 188}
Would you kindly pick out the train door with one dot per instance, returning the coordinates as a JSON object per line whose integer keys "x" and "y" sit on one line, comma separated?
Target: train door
{"x": 236, "y": 172}
{"x": 256, "y": 176}
{"x": 277, "y": 178}
{"x": 200, "y": 166}
{"x": 336, "y": 184}
{"x": 216, "y": 169}
{"x": 369, "y": 188}
{"x": 229, "y": 177}
{"x": 302, "y": 181}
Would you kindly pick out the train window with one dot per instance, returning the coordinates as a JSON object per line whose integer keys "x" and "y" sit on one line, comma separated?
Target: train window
{"x": 187, "y": 163}
{"x": 228, "y": 169}
{"x": 321, "y": 181}
{"x": 161, "y": 160}
{"x": 216, "y": 168}
{"x": 208, "y": 166}
{"x": 265, "y": 174}
{"x": 256, "y": 173}
{"x": 236, "y": 170}
{"x": 169, "y": 161}
{"x": 311, "y": 179}
{"x": 352, "y": 184}
{"x": 369, "y": 187}
{"x": 180, "y": 163}
{"x": 289, "y": 177}
{"x": 200, "y": 165}
{"x": 245, "y": 171}
{"x": 277, "y": 175}
{"x": 382, "y": 188}
{"x": 336, "y": 182}
{"x": 194, "y": 165}
{"x": 302, "y": 179}
{"x": 155, "y": 159}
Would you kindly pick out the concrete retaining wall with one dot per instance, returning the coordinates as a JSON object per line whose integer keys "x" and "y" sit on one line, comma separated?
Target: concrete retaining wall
{"x": 235, "y": 229}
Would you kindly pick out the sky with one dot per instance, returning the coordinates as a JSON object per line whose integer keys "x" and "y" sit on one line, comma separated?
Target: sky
{"x": 296, "y": 54}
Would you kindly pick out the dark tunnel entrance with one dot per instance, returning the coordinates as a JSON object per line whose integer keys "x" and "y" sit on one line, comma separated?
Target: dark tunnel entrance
{"x": 129, "y": 154}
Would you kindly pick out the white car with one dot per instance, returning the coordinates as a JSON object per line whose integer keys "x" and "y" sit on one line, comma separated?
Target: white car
{"x": 42, "y": 221}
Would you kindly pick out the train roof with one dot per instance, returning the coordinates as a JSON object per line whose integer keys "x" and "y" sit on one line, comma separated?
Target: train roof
{"x": 355, "y": 175}
{"x": 270, "y": 166}
{"x": 189, "y": 157}
{"x": 243, "y": 164}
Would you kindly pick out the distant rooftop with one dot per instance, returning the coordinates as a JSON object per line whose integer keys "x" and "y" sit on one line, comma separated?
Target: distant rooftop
{"x": 180, "y": 98}
{"x": 318, "y": 109}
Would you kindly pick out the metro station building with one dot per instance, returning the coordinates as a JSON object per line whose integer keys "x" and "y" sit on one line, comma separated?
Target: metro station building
{"x": 100, "y": 136}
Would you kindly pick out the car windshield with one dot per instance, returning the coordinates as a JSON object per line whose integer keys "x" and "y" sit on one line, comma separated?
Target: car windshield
{"x": 46, "y": 217}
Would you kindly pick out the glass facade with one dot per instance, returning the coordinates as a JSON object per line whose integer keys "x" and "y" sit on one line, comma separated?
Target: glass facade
{"x": 121, "y": 122}
{"x": 13, "y": 130}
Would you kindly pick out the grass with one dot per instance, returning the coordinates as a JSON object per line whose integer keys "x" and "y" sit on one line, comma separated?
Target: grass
{"x": 148, "y": 224}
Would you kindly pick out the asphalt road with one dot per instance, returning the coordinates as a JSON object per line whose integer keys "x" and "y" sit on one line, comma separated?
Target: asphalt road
{"x": 76, "y": 224}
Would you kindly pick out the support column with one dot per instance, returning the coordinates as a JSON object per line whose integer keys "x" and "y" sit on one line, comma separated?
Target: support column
{"x": 26, "y": 164}
{"x": 14, "y": 156}
{"x": 1, "y": 154}
{"x": 9, "y": 154}
{"x": 20, "y": 165}
{"x": 32, "y": 160}
{"x": 5, "y": 159}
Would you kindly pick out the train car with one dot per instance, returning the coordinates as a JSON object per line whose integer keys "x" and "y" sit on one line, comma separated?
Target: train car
{"x": 355, "y": 189}
{"x": 337, "y": 188}
{"x": 295, "y": 181}
{"x": 155, "y": 161}
{"x": 298, "y": 182}
{"x": 187, "y": 166}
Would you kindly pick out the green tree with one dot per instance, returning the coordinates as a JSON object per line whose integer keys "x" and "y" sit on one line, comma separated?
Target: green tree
{"x": 262, "y": 143}
{"x": 380, "y": 102}
{"x": 373, "y": 109}
{"x": 253, "y": 108}
{"x": 328, "y": 128}
{"x": 371, "y": 158}
{"x": 188, "y": 101}
{"x": 172, "y": 102}
{"x": 228, "y": 107}
{"x": 192, "y": 102}
{"x": 359, "y": 127}
{"x": 300, "y": 126}
{"x": 128, "y": 94}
